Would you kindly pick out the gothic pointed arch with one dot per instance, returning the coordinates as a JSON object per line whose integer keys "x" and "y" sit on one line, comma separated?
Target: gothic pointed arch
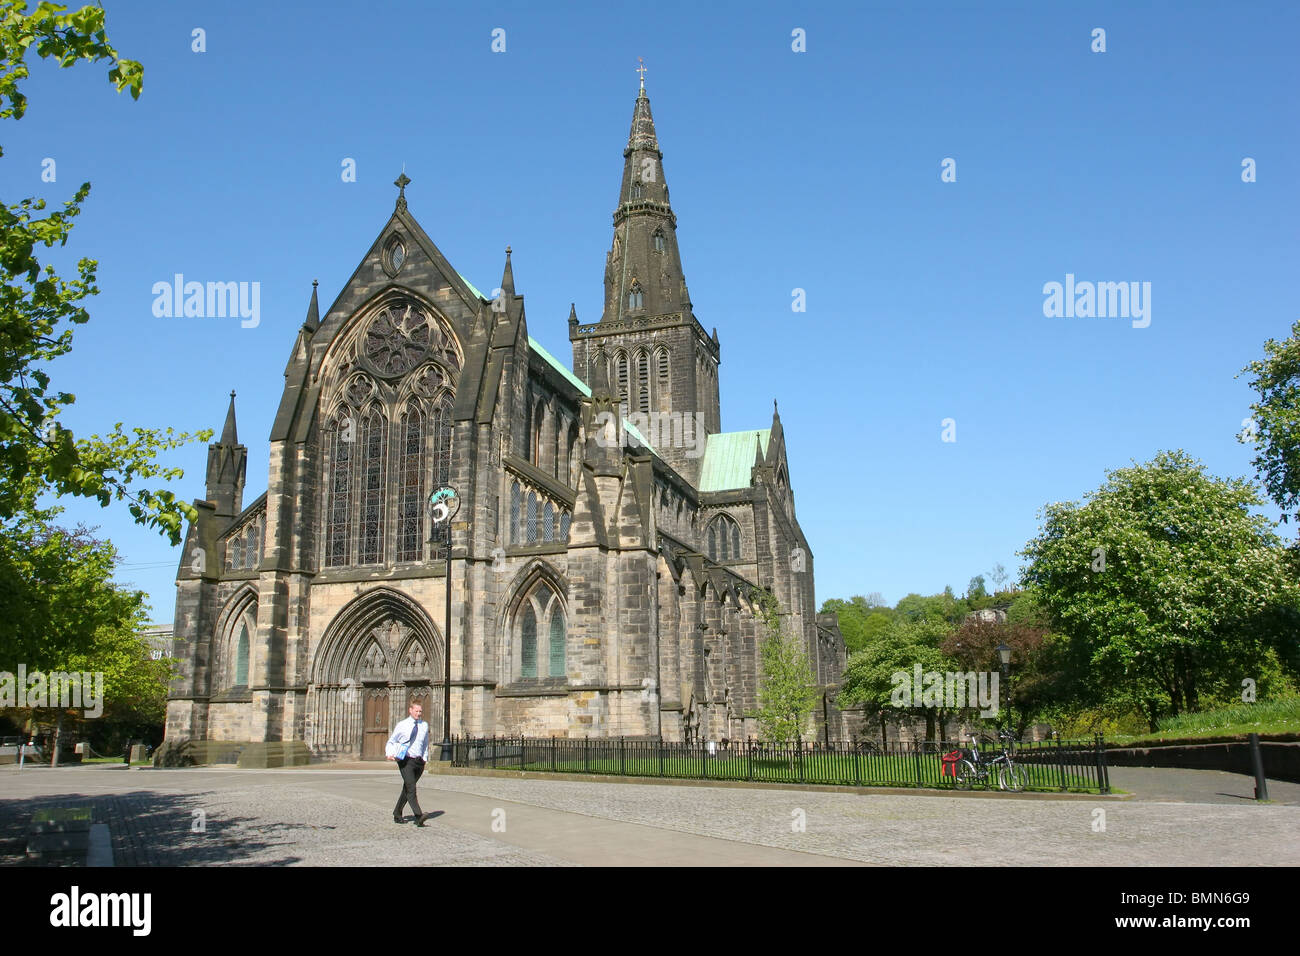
{"x": 235, "y": 631}
{"x": 379, "y": 651}
{"x": 535, "y": 626}
{"x": 663, "y": 400}
{"x": 386, "y": 618}
{"x": 722, "y": 539}
{"x": 641, "y": 363}
{"x": 411, "y": 455}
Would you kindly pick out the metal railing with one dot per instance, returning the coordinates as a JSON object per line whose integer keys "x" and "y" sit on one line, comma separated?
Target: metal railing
{"x": 1049, "y": 765}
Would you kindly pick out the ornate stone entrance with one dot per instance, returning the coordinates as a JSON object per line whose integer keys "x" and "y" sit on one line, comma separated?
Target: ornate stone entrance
{"x": 380, "y": 651}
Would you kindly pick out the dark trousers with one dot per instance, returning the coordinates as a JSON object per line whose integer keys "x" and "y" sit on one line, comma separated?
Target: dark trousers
{"x": 411, "y": 768}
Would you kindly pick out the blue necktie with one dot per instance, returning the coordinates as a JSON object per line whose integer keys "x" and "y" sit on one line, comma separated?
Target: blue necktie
{"x": 415, "y": 732}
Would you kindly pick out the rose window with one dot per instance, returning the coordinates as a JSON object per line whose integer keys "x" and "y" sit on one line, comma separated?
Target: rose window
{"x": 398, "y": 338}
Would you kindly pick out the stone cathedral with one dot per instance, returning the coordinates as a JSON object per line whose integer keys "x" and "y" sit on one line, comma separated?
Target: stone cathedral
{"x": 606, "y": 552}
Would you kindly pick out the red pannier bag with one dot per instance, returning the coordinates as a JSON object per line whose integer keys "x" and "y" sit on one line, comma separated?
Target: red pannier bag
{"x": 950, "y": 761}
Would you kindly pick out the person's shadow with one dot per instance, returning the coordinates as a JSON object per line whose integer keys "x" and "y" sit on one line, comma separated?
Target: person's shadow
{"x": 431, "y": 815}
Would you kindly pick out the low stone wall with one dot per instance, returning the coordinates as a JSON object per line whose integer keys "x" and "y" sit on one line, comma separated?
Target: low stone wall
{"x": 1281, "y": 759}
{"x": 196, "y": 753}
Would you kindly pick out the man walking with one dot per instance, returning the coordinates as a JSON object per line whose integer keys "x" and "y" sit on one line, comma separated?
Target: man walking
{"x": 409, "y": 747}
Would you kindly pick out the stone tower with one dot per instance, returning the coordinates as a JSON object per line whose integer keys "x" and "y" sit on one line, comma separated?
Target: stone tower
{"x": 227, "y": 463}
{"x": 661, "y": 364}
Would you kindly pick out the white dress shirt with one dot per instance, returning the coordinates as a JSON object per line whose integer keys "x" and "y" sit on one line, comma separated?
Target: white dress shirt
{"x": 406, "y": 732}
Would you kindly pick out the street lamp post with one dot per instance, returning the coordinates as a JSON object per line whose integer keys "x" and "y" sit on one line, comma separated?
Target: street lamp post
{"x": 1004, "y": 655}
{"x": 444, "y": 503}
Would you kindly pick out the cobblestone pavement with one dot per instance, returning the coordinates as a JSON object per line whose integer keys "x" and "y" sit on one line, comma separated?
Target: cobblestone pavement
{"x": 934, "y": 830}
{"x": 332, "y": 817}
{"x": 243, "y": 821}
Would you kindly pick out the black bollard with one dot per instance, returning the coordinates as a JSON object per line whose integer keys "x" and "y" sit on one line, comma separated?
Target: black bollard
{"x": 1257, "y": 761}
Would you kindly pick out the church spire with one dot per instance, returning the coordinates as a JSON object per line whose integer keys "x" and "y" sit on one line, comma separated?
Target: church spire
{"x": 312, "y": 322}
{"x": 508, "y": 277}
{"x": 227, "y": 462}
{"x": 649, "y": 349}
{"x": 643, "y": 271}
{"x": 229, "y": 436}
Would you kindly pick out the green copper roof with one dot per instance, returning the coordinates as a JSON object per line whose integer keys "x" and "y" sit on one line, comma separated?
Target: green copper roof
{"x": 581, "y": 386}
{"x": 729, "y": 457}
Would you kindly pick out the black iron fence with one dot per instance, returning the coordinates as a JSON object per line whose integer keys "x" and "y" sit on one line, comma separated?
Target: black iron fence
{"x": 1049, "y": 765}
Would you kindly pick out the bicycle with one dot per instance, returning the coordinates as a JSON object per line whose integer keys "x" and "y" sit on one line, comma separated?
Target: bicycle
{"x": 976, "y": 769}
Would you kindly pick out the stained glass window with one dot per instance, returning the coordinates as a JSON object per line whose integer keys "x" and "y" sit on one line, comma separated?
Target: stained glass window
{"x": 724, "y": 539}
{"x": 442, "y": 446}
{"x": 548, "y": 522}
{"x": 514, "y": 513}
{"x": 340, "y": 491}
{"x": 370, "y": 546}
{"x": 241, "y": 656}
{"x": 528, "y": 642}
{"x": 557, "y": 639}
{"x": 532, "y": 519}
{"x": 536, "y": 455}
{"x": 410, "y": 527}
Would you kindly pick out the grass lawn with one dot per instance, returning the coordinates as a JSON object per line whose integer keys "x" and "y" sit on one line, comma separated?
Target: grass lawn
{"x": 817, "y": 768}
{"x": 1266, "y": 717}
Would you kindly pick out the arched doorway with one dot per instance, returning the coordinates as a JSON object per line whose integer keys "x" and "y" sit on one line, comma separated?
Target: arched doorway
{"x": 378, "y": 654}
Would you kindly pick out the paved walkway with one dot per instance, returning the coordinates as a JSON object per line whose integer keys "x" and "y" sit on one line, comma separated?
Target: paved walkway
{"x": 324, "y": 817}
{"x": 1198, "y": 786}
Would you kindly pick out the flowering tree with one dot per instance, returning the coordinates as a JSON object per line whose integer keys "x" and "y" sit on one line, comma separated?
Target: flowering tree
{"x": 1166, "y": 586}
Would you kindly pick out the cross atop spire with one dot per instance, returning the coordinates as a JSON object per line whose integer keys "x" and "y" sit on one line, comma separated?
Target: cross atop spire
{"x": 401, "y": 182}
{"x": 641, "y": 69}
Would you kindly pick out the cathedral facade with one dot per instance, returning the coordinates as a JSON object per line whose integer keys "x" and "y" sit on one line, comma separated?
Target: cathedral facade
{"x": 605, "y": 557}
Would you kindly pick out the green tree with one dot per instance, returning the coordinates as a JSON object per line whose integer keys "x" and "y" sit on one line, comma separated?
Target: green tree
{"x": 861, "y": 618}
{"x": 1274, "y": 428}
{"x": 71, "y": 617}
{"x": 38, "y": 309}
{"x": 1032, "y": 676}
{"x": 870, "y": 678}
{"x": 787, "y": 692}
{"x": 1165, "y": 584}
{"x": 942, "y": 608}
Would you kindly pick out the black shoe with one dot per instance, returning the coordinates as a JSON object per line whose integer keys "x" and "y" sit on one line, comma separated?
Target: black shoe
{"x": 420, "y": 820}
{"x": 397, "y": 819}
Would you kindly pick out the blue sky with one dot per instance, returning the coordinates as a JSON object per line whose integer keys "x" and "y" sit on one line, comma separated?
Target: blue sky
{"x": 817, "y": 170}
